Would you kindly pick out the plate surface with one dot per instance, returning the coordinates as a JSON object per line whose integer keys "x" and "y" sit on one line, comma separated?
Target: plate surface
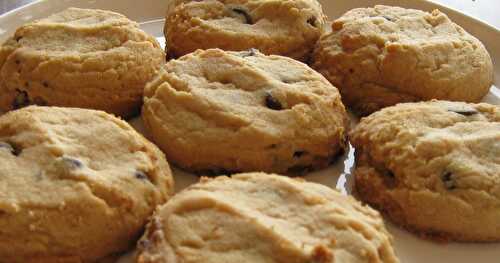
{"x": 409, "y": 248}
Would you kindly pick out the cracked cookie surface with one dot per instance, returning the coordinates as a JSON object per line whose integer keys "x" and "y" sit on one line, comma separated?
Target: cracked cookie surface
{"x": 78, "y": 58}
{"x": 75, "y": 185}
{"x": 258, "y": 217}
{"x": 244, "y": 111}
{"x": 433, "y": 167}
{"x": 381, "y": 56}
{"x": 283, "y": 27}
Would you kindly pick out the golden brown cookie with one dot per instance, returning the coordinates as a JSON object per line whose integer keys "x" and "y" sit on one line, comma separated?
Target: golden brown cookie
{"x": 75, "y": 185}
{"x": 282, "y": 27}
{"x": 222, "y": 111}
{"x": 433, "y": 167}
{"x": 78, "y": 58}
{"x": 259, "y": 217}
{"x": 381, "y": 56}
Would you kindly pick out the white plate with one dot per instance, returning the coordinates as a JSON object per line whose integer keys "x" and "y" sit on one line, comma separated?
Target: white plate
{"x": 409, "y": 248}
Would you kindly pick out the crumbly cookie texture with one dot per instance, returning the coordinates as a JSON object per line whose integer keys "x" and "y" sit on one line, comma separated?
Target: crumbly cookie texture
{"x": 259, "y": 217}
{"x": 244, "y": 111}
{"x": 75, "y": 185}
{"x": 283, "y": 27}
{"x": 382, "y": 56}
{"x": 433, "y": 167}
{"x": 79, "y": 58}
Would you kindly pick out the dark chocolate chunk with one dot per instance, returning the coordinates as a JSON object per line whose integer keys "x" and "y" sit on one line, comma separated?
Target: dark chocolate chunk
{"x": 21, "y": 100}
{"x": 250, "y": 53}
{"x": 244, "y": 13}
{"x": 6, "y": 146}
{"x": 141, "y": 175}
{"x": 72, "y": 163}
{"x": 313, "y": 21}
{"x": 464, "y": 111}
{"x": 215, "y": 172}
{"x": 298, "y": 154}
{"x": 448, "y": 181}
{"x": 13, "y": 149}
{"x": 144, "y": 244}
{"x": 272, "y": 102}
{"x": 45, "y": 84}
{"x": 389, "y": 18}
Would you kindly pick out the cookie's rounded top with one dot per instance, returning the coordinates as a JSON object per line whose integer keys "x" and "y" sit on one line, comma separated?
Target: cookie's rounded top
{"x": 78, "y": 58}
{"x": 264, "y": 218}
{"x": 283, "y": 27}
{"x": 244, "y": 111}
{"x": 384, "y": 55}
{"x": 74, "y": 184}
{"x": 433, "y": 166}
{"x": 76, "y": 31}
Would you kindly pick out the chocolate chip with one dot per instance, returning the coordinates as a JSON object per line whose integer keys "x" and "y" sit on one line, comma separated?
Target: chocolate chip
{"x": 215, "y": 172}
{"x": 244, "y": 13}
{"x": 298, "y": 154}
{"x": 272, "y": 102}
{"x": 72, "y": 163}
{"x": 17, "y": 61}
{"x": 141, "y": 175}
{"x": 389, "y": 18}
{"x": 45, "y": 84}
{"x": 448, "y": 181}
{"x": 464, "y": 111}
{"x": 27, "y": 84}
{"x": 21, "y": 100}
{"x": 8, "y": 147}
{"x": 19, "y": 38}
{"x": 313, "y": 21}
{"x": 250, "y": 53}
{"x": 144, "y": 244}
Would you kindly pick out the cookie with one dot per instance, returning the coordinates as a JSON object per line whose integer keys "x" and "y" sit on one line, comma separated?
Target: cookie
{"x": 220, "y": 111}
{"x": 382, "y": 56}
{"x": 282, "y": 27}
{"x": 433, "y": 168}
{"x": 75, "y": 185}
{"x": 79, "y": 58}
{"x": 258, "y": 217}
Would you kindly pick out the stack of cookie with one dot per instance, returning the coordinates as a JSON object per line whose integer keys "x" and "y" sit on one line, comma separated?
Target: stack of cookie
{"x": 235, "y": 96}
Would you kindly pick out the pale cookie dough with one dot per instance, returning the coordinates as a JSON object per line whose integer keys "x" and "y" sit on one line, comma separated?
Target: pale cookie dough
{"x": 225, "y": 112}
{"x": 79, "y": 58}
{"x": 381, "y": 56}
{"x": 433, "y": 167}
{"x": 76, "y": 186}
{"x": 283, "y": 27}
{"x": 266, "y": 219}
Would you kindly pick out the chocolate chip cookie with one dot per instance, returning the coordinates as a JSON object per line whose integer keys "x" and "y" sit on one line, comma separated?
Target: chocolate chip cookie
{"x": 75, "y": 185}
{"x": 381, "y": 56}
{"x": 219, "y": 111}
{"x": 282, "y": 27}
{"x": 78, "y": 58}
{"x": 433, "y": 167}
{"x": 264, "y": 218}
